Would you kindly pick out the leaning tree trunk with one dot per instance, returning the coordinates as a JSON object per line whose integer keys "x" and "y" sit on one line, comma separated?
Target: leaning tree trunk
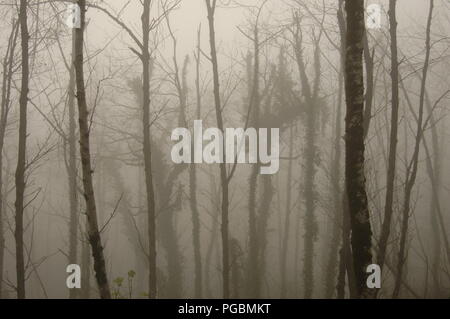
{"x": 361, "y": 233}
{"x": 21, "y": 159}
{"x": 85, "y": 153}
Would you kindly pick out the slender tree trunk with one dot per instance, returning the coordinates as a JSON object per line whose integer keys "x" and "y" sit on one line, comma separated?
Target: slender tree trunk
{"x": 193, "y": 190}
{"x": 223, "y": 171}
{"x": 434, "y": 174}
{"x": 8, "y": 63}
{"x": 214, "y": 235}
{"x": 254, "y": 261}
{"x": 152, "y": 284}
{"x": 72, "y": 173}
{"x": 368, "y": 62}
{"x": 85, "y": 153}
{"x": 346, "y": 267}
{"x": 21, "y": 159}
{"x": 386, "y": 227}
{"x": 345, "y": 254}
{"x": 85, "y": 267}
{"x": 336, "y": 190}
{"x": 285, "y": 240}
{"x": 311, "y": 94}
{"x": 361, "y": 233}
{"x": 411, "y": 173}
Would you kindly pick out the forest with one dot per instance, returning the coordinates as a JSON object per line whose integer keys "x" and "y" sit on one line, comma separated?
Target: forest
{"x": 276, "y": 149}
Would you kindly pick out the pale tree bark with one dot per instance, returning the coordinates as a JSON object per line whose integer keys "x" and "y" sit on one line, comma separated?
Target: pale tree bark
{"x": 21, "y": 158}
{"x": 85, "y": 153}
{"x": 361, "y": 233}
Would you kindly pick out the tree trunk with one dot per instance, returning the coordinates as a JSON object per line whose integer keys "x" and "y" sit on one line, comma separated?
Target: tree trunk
{"x": 193, "y": 191}
{"x": 361, "y": 233}
{"x": 411, "y": 173}
{"x": 21, "y": 159}
{"x": 285, "y": 240}
{"x": 72, "y": 172}
{"x": 386, "y": 227}
{"x": 434, "y": 173}
{"x": 8, "y": 63}
{"x": 311, "y": 94}
{"x": 148, "y": 152}
{"x": 254, "y": 262}
{"x": 85, "y": 153}
{"x": 223, "y": 171}
{"x": 336, "y": 190}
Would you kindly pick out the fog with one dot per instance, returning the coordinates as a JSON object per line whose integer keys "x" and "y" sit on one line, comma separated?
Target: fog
{"x": 287, "y": 234}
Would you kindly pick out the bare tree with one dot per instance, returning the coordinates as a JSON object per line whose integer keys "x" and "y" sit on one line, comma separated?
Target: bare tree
{"x": 85, "y": 153}
{"x": 411, "y": 171}
{"x": 211, "y": 8}
{"x": 21, "y": 159}
{"x": 388, "y": 210}
{"x": 8, "y": 62}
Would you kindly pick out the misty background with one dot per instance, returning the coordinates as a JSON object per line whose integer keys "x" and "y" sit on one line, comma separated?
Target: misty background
{"x": 297, "y": 212}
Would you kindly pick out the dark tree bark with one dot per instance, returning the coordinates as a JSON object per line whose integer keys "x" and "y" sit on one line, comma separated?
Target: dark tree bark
{"x": 345, "y": 254}
{"x": 21, "y": 159}
{"x": 85, "y": 153}
{"x": 368, "y": 97}
{"x": 361, "y": 233}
